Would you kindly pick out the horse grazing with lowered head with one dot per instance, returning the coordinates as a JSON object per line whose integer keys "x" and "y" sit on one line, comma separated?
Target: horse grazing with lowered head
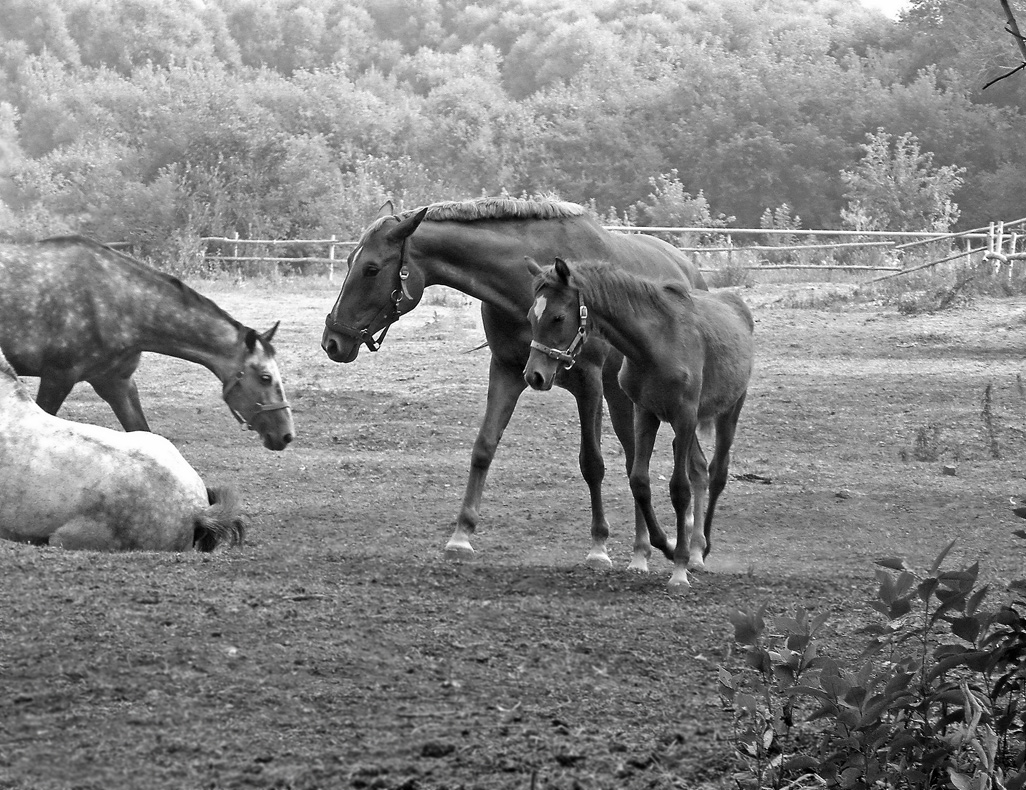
{"x": 74, "y": 310}
{"x": 79, "y": 486}
{"x": 688, "y": 357}
{"x": 478, "y": 247}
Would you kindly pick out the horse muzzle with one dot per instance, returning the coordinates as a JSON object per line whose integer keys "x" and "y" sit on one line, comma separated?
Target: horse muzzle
{"x": 539, "y": 377}
{"x": 339, "y": 348}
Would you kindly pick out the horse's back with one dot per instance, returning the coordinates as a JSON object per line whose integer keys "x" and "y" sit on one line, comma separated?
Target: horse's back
{"x": 660, "y": 260}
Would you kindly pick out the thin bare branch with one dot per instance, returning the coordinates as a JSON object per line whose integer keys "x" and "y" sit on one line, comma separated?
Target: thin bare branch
{"x": 1013, "y": 28}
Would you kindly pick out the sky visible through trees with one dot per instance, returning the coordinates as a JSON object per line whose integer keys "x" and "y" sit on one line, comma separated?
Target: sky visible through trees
{"x": 158, "y": 123}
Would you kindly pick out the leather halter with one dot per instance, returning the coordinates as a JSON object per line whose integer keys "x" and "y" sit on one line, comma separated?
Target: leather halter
{"x": 568, "y": 357}
{"x": 390, "y": 311}
{"x": 231, "y": 384}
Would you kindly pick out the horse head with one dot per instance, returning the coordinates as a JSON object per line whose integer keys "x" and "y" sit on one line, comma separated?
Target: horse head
{"x": 380, "y": 286}
{"x": 559, "y": 324}
{"x": 255, "y": 393}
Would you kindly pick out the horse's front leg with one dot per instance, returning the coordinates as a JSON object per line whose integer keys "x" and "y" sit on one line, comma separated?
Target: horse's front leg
{"x": 122, "y": 396}
{"x": 685, "y": 505}
{"x": 584, "y": 381}
{"x": 505, "y": 384}
{"x": 646, "y": 426}
{"x": 698, "y": 475}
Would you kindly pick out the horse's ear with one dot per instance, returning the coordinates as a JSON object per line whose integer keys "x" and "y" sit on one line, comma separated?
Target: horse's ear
{"x": 406, "y": 226}
{"x": 533, "y": 266}
{"x": 386, "y": 210}
{"x": 266, "y": 336}
{"x": 251, "y": 339}
{"x": 562, "y": 270}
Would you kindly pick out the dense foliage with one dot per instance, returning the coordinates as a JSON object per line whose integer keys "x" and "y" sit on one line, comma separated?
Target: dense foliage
{"x": 158, "y": 122}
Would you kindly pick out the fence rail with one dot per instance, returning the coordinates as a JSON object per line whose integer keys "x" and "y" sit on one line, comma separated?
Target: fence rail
{"x": 236, "y": 257}
{"x": 997, "y": 237}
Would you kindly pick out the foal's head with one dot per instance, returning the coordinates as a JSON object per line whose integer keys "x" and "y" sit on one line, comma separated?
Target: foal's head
{"x": 559, "y": 324}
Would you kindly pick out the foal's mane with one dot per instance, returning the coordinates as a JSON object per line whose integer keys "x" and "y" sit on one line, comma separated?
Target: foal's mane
{"x": 489, "y": 208}
{"x": 616, "y": 290}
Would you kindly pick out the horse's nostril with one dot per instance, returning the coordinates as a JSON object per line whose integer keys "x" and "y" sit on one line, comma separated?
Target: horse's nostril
{"x": 330, "y": 347}
{"x": 287, "y": 438}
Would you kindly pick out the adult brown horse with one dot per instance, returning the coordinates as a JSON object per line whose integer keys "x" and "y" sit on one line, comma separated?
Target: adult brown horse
{"x": 74, "y": 310}
{"x": 480, "y": 247}
{"x": 688, "y": 360}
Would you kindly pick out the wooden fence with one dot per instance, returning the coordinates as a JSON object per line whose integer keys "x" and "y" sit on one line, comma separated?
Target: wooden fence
{"x": 997, "y": 242}
{"x": 237, "y": 244}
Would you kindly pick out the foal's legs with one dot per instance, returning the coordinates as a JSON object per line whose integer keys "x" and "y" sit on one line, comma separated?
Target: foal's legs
{"x": 505, "y": 384}
{"x": 698, "y": 474}
{"x": 584, "y": 381}
{"x": 685, "y": 448}
{"x": 621, "y": 417}
{"x": 646, "y": 426}
{"x": 726, "y": 427}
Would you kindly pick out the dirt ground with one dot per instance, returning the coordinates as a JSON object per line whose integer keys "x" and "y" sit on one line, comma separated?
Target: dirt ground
{"x": 339, "y": 649}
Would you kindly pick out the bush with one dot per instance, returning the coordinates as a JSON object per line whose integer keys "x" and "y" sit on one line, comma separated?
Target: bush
{"x": 935, "y": 700}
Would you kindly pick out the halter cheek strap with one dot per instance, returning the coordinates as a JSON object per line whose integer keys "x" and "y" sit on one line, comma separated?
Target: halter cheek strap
{"x": 569, "y": 356}
{"x": 390, "y": 311}
{"x": 247, "y": 423}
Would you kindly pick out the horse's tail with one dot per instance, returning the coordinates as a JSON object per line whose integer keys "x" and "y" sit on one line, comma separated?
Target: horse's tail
{"x": 220, "y": 522}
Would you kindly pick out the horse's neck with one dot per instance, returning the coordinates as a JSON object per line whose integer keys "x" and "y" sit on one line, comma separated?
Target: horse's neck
{"x": 486, "y": 265}
{"x": 174, "y": 321}
{"x": 631, "y": 331}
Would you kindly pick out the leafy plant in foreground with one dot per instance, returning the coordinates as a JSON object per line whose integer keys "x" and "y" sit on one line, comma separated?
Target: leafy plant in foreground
{"x": 936, "y": 698}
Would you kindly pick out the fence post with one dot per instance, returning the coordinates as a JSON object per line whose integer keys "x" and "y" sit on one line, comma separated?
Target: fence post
{"x": 331, "y": 257}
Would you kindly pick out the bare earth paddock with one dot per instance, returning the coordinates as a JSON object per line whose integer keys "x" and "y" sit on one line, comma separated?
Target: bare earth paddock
{"x": 339, "y": 648}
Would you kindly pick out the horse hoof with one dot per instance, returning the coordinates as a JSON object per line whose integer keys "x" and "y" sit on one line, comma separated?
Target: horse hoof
{"x": 457, "y": 552}
{"x": 697, "y": 564}
{"x": 639, "y": 564}
{"x": 679, "y": 581}
{"x": 599, "y": 562}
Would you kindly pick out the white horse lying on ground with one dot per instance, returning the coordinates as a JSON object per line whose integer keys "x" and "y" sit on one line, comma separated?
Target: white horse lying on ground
{"x": 80, "y": 486}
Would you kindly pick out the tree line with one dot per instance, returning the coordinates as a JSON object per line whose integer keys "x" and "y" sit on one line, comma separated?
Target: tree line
{"x": 158, "y": 123}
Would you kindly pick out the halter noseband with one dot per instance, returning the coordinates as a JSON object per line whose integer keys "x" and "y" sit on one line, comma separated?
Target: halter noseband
{"x": 390, "y": 311}
{"x": 231, "y": 384}
{"x": 568, "y": 357}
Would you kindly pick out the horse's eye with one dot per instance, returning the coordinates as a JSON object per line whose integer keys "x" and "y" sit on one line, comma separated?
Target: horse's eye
{"x": 559, "y": 319}
{"x": 266, "y": 378}
{"x": 371, "y": 271}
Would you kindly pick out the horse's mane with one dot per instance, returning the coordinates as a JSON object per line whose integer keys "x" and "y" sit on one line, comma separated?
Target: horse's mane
{"x": 489, "y": 208}
{"x": 188, "y": 295}
{"x": 616, "y": 290}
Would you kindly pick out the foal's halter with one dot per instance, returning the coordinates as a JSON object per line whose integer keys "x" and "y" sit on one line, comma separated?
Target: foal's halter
{"x": 569, "y": 357}
{"x": 247, "y": 423}
{"x": 390, "y": 311}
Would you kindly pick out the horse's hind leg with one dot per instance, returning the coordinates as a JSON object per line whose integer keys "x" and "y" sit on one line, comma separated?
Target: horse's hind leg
{"x": 726, "y": 428}
{"x": 117, "y": 387}
{"x": 505, "y": 385}
{"x": 84, "y": 534}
